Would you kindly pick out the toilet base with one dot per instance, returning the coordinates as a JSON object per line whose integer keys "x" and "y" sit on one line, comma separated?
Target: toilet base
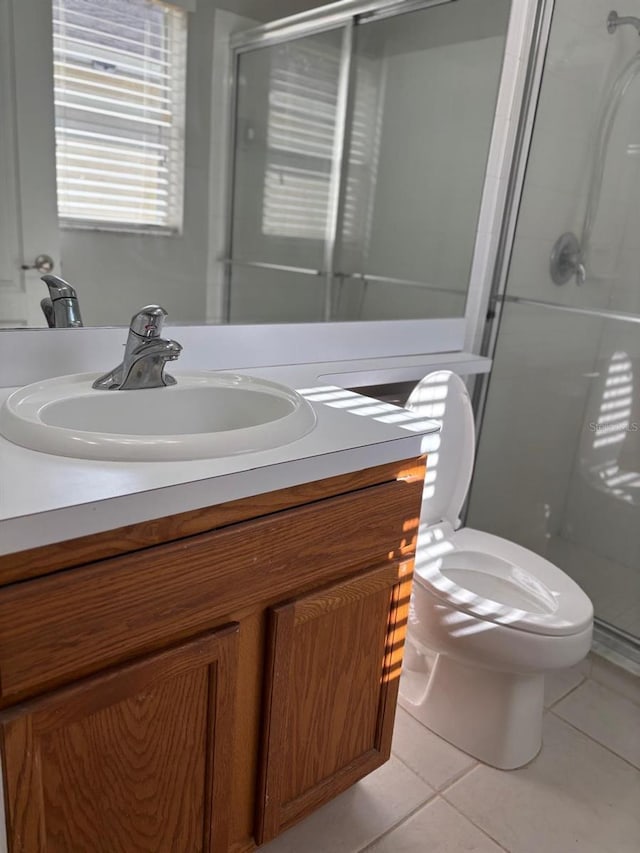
{"x": 494, "y": 716}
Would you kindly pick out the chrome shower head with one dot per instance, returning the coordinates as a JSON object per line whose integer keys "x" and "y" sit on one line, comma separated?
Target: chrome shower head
{"x": 614, "y": 21}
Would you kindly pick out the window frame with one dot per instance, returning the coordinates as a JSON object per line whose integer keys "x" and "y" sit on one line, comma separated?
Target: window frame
{"x": 177, "y": 41}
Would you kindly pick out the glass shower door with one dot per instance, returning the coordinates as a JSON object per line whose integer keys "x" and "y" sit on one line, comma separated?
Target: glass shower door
{"x": 424, "y": 90}
{"x": 558, "y": 466}
{"x": 360, "y": 159}
{"x": 285, "y": 178}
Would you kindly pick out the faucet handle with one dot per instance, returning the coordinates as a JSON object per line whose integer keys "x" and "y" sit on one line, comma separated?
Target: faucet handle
{"x": 60, "y": 307}
{"x": 148, "y": 321}
{"x": 146, "y": 369}
{"x": 58, "y": 287}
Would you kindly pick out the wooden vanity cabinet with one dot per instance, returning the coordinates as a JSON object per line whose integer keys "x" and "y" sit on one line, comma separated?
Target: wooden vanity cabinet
{"x": 205, "y": 692}
{"x": 134, "y": 759}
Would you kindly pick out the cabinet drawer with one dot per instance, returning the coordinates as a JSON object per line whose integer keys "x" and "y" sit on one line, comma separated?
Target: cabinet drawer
{"x": 63, "y": 626}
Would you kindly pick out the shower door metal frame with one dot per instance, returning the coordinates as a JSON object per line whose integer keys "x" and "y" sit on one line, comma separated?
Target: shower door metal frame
{"x": 314, "y": 22}
{"x": 515, "y": 186}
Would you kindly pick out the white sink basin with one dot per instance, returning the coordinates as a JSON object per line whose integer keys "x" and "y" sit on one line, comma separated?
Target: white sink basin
{"x": 205, "y": 415}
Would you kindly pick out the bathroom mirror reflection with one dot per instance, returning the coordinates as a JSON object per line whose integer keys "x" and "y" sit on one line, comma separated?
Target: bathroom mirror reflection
{"x": 153, "y": 155}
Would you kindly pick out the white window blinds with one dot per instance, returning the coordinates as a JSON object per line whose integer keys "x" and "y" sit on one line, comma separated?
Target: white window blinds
{"x": 119, "y": 85}
{"x": 303, "y": 95}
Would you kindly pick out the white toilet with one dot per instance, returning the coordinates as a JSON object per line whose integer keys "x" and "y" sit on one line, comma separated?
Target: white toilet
{"x": 497, "y": 615}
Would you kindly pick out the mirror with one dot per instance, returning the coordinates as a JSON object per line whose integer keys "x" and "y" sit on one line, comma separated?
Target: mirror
{"x": 336, "y": 175}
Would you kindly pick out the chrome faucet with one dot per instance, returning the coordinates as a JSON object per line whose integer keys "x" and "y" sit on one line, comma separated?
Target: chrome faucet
{"x": 145, "y": 355}
{"x": 61, "y": 307}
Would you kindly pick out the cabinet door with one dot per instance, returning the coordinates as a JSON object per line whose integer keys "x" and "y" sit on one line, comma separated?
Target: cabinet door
{"x": 332, "y": 685}
{"x": 136, "y": 759}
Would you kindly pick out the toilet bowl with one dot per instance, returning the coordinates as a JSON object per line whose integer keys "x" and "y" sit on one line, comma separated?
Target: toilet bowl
{"x": 496, "y": 615}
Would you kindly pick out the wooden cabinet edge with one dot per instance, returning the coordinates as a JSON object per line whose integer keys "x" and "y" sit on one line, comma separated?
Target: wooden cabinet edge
{"x": 135, "y": 604}
{"x": 71, "y": 553}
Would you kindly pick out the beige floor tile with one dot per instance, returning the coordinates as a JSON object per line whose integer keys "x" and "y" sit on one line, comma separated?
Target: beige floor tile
{"x": 433, "y": 759}
{"x": 575, "y": 797}
{"x": 606, "y": 716}
{"x": 359, "y": 816}
{"x": 436, "y": 828}
{"x": 625, "y": 681}
{"x": 558, "y": 683}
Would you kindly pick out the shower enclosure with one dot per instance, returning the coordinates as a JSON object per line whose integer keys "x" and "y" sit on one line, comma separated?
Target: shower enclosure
{"x": 360, "y": 143}
{"x": 558, "y": 466}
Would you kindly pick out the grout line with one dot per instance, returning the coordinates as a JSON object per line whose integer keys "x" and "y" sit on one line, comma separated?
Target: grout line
{"x": 395, "y": 826}
{"x": 594, "y": 740}
{"x": 437, "y": 789}
{"x": 454, "y": 779}
{"x": 619, "y": 693}
{"x": 568, "y": 693}
{"x": 448, "y": 785}
{"x": 617, "y": 690}
{"x": 476, "y": 825}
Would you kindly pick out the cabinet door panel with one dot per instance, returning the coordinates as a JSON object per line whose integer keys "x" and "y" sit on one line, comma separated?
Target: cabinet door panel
{"x": 133, "y": 761}
{"x": 333, "y": 671}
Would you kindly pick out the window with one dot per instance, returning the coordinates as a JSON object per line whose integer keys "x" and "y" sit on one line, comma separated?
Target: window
{"x": 303, "y": 99}
{"x": 119, "y": 90}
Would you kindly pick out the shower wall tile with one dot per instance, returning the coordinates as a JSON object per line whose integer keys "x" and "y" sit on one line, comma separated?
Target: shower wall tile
{"x": 582, "y": 62}
{"x": 600, "y": 516}
{"x": 546, "y": 212}
{"x": 559, "y": 161}
{"x": 608, "y": 583}
{"x": 534, "y": 414}
{"x": 529, "y": 278}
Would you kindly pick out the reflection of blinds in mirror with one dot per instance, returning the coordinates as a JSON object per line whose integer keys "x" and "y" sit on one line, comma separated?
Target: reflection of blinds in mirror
{"x": 303, "y": 95}
{"x": 119, "y": 84}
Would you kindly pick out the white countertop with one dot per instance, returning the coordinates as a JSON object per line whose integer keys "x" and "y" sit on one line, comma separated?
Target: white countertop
{"x": 46, "y": 498}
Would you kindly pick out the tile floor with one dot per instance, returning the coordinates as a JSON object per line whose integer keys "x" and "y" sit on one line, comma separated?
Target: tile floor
{"x": 582, "y": 792}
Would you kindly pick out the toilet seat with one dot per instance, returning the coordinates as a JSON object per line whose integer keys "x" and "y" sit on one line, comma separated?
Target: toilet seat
{"x": 498, "y": 581}
{"x": 478, "y": 573}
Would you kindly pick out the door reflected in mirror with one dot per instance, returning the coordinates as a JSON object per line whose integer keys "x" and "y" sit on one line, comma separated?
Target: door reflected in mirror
{"x": 169, "y": 152}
